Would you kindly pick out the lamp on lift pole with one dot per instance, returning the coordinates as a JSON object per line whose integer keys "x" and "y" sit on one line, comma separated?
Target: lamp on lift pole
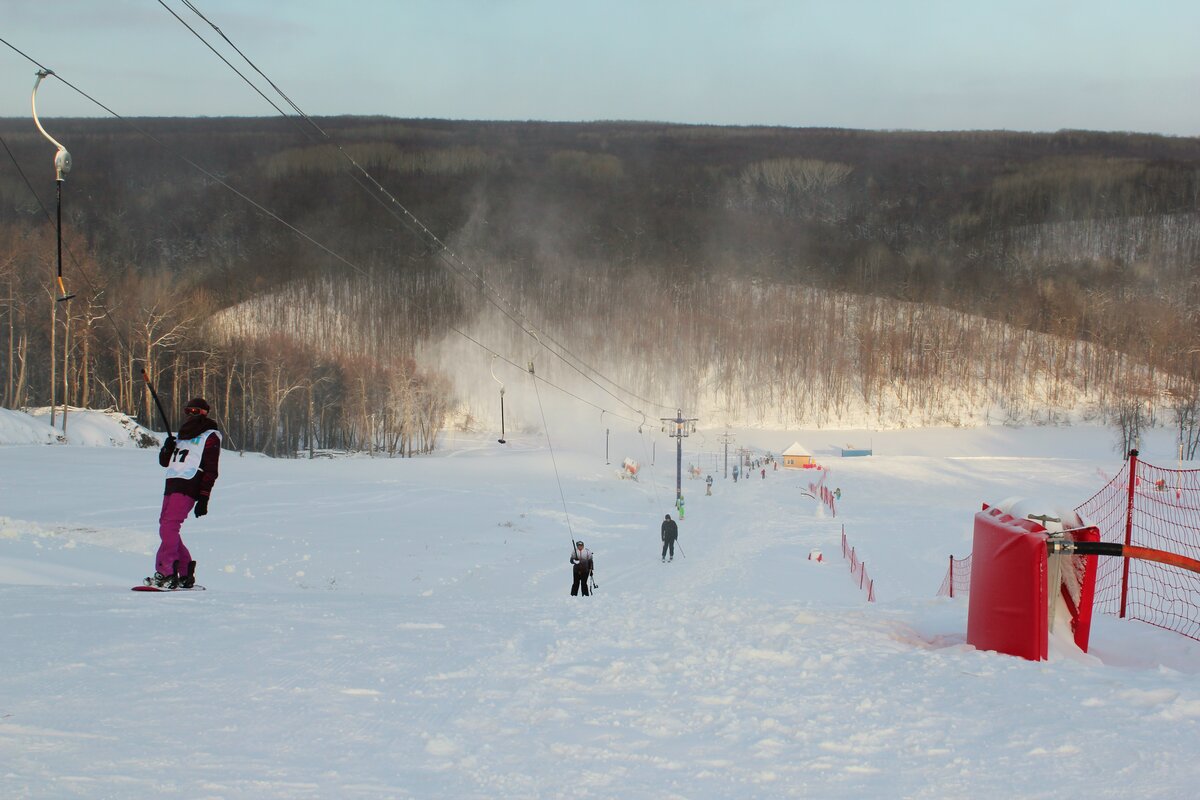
{"x": 62, "y": 165}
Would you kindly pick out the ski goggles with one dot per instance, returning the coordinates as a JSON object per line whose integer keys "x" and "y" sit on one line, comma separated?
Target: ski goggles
{"x": 193, "y": 411}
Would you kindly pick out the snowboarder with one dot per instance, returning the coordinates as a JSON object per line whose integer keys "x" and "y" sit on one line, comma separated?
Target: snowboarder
{"x": 764, "y": 473}
{"x": 582, "y": 559}
{"x": 708, "y": 485}
{"x": 191, "y": 464}
{"x": 735, "y": 473}
{"x": 679, "y": 506}
{"x": 670, "y": 532}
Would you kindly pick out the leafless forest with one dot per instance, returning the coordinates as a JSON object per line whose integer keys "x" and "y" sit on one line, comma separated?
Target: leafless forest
{"x": 765, "y": 275}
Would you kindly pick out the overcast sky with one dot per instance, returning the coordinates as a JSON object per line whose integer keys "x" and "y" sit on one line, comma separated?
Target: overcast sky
{"x": 922, "y": 64}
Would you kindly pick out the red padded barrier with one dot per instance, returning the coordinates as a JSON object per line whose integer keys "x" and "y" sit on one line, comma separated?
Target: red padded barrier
{"x": 1081, "y": 615}
{"x": 1007, "y": 611}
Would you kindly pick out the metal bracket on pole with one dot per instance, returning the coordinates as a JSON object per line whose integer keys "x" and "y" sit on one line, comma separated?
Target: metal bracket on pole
{"x": 62, "y": 159}
{"x": 62, "y": 165}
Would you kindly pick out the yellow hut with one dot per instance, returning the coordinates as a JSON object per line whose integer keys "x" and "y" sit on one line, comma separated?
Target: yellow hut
{"x": 796, "y": 457}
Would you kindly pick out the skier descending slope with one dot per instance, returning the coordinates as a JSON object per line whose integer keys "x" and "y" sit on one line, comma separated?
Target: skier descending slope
{"x": 191, "y": 463}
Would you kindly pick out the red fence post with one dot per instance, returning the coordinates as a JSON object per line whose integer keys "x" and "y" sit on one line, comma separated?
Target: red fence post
{"x": 952, "y": 576}
{"x": 1133, "y": 455}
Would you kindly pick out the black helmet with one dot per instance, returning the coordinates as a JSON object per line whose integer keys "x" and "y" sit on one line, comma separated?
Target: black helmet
{"x": 579, "y": 544}
{"x": 668, "y": 516}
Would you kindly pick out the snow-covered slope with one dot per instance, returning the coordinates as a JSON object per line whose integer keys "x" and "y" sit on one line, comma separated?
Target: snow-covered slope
{"x": 380, "y": 628}
{"x": 84, "y": 427}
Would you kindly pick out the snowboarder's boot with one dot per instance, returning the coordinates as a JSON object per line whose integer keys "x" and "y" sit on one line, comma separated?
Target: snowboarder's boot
{"x": 160, "y": 581}
{"x": 189, "y": 580}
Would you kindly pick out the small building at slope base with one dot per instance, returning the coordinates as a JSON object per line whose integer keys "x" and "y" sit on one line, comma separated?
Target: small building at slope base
{"x": 796, "y": 457}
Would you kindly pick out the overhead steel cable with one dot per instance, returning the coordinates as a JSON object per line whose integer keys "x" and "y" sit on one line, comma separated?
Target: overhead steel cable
{"x": 443, "y": 250}
{"x": 263, "y": 209}
{"x": 70, "y": 253}
{"x": 202, "y": 170}
{"x": 217, "y": 53}
{"x": 503, "y": 358}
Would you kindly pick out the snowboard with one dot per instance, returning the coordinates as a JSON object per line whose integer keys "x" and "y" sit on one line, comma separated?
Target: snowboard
{"x": 196, "y": 588}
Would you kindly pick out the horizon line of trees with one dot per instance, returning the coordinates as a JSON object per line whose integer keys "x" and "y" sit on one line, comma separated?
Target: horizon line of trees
{"x": 1090, "y": 238}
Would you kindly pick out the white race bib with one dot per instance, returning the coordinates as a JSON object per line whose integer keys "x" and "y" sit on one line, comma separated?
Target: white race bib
{"x": 185, "y": 461}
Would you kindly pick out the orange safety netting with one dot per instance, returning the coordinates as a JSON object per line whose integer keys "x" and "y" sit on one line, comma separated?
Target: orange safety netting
{"x": 1153, "y": 507}
{"x": 858, "y": 569}
{"x": 958, "y": 578}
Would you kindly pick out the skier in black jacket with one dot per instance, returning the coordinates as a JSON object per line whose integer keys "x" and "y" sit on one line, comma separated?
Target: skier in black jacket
{"x": 670, "y": 532}
{"x": 582, "y": 559}
{"x": 191, "y": 463}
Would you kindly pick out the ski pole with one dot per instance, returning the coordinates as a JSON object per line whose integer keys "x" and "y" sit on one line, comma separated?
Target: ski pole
{"x": 677, "y": 544}
{"x": 157, "y": 402}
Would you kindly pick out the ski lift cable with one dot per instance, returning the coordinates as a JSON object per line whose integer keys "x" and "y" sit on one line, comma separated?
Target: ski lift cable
{"x": 202, "y": 170}
{"x": 549, "y": 383}
{"x": 207, "y": 173}
{"x": 408, "y": 219}
{"x": 443, "y": 250}
{"x": 550, "y": 446}
{"x": 263, "y": 209}
{"x": 650, "y": 468}
{"x": 70, "y": 253}
{"x": 217, "y": 53}
{"x": 122, "y": 344}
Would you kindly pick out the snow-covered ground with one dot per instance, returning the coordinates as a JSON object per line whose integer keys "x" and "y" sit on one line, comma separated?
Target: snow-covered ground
{"x": 379, "y": 628}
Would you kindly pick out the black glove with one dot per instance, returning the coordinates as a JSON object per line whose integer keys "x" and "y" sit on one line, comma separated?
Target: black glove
{"x": 201, "y": 507}
{"x": 166, "y": 451}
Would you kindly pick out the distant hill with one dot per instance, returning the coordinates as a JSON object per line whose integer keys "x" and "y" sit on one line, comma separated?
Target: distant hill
{"x": 768, "y": 274}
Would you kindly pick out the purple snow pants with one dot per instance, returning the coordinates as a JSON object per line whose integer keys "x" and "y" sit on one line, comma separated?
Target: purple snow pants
{"x": 175, "y": 508}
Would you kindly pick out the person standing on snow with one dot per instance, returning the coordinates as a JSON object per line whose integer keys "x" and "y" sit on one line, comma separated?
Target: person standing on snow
{"x": 708, "y": 485}
{"x": 191, "y": 464}
{"x": 670, "y": 532}
{"x": 584, "y": 564}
